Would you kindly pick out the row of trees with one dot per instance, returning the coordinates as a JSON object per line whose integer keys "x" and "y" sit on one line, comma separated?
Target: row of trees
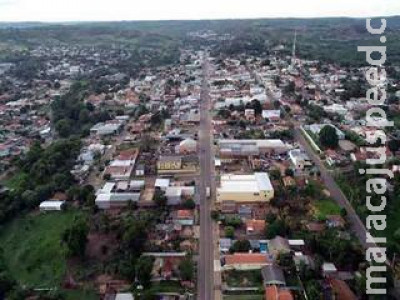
{"x": 41, "y": 172}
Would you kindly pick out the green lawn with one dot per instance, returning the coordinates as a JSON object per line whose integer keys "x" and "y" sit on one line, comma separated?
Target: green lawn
{"x": 33, "y": 250}
{"x": 167, "y": 286}
{"x": 325, "y": 207}
{"x": 74, "y": 295}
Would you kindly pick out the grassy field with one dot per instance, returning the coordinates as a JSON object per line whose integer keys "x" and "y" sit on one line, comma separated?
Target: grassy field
{"x": 33, "y": 249}
{"x": 325, "y": 207}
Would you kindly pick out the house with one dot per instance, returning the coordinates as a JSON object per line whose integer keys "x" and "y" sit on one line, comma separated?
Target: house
{"x": 51, "y": 205}
{"x": 335, "y": 221}
{"x": 301, "y": 259}
{"x": 336, "y": 108}
{"x": 299, "y": 159}
{"x": 297, "y": 244}
{"x": 274, "y": 292}
{"x": 328, "y": 269}
{"x": 271, "y": 115}
{"x": 185, "y": 217}
{"x": 273, "y": 275}
{"x": 175, "y": 194}
{"x": 256, "y": 187}
{"x": 119, "y": 172}
{"x": 245, "y": 261}
{"x": 139, "y": 170}
{"x": 228, "y": 207}
{"x": 169, "y": 163}
{"x": 255, "y": 226}
{"x": 103, "y": 129}
{"x": 278, "y": 245}
{"x": 187, "y": 146}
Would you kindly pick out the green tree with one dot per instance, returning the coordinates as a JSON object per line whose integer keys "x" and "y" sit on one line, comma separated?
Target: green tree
{"x": 144, "y": 267}
{"x": 278, "y": 227}
{"x": 75, "y": 237}
{"x": 328, "y": 137}
{"x": 159, "y": 198}
{"x": 186, "y": 269}
{"x": 64, "y": 128}
{"x": 229, "y": 232}
{"x": 257, "y": 107}
{"x": 394, "y": 145}
{"x": 189, "y": 204}
{"x": 240, "y": 246}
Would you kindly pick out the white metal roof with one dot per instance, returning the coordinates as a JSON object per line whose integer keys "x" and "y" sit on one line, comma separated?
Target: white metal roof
{"x": 51, "y": 204}
{"x": 245, "y": 183}
{"x": 124, "y": 296}
{"x": 162, "y": 182}
{"x": 296, "y": 242}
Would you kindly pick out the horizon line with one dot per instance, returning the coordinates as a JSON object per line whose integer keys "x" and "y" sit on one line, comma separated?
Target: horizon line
{"x": 200, "y": 19}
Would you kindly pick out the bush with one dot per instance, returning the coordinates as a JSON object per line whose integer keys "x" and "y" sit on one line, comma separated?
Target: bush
{"x": 229, "y": 232}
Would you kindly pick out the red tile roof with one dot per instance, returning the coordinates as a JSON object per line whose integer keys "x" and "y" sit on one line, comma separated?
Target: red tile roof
{"x": 275, "y": 293}
{"x": 255, "y": 225}
{"x": 184, "y": 214}
{"x": 342, "y": 290}
{"x": 246, "y": 258}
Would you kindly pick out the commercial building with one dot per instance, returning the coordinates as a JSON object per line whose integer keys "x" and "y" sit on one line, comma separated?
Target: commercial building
{"x": 245, "y": 188}
{"x": 237, "y": 148}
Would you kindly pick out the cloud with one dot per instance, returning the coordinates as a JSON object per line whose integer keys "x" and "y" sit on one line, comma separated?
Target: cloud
{"x": 95, "y": 10}
{"x": 8, "y": 2}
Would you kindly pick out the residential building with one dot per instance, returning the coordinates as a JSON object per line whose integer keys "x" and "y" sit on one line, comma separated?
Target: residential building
{"x": 299, "y": 159}
{"x": 169, "y": 163}
{"x": 245, "y": 261}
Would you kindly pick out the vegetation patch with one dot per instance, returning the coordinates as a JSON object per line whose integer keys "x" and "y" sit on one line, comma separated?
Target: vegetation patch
{"x": 236, "y": 278}
{"x": 325, "y": 207}
{"x": 33, "y": 250}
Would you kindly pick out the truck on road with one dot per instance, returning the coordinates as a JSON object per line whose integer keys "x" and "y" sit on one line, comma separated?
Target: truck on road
{"x": 208, "y": 192}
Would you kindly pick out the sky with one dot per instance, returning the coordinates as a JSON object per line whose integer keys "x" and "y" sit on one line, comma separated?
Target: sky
{"x": 118, "y": 10}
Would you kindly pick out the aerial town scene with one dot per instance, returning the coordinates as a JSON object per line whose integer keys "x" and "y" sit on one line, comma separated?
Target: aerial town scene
{"x": 223, "y": 157}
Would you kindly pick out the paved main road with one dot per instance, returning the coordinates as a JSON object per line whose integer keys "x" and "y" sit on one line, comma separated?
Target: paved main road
{"x": 206, "y": 258}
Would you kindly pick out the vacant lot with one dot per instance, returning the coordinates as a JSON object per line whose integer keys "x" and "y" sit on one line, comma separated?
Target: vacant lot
{"x": 325, "y": 207}
{"x": 243, "y": 278}
{"x": 33, "y": 249}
